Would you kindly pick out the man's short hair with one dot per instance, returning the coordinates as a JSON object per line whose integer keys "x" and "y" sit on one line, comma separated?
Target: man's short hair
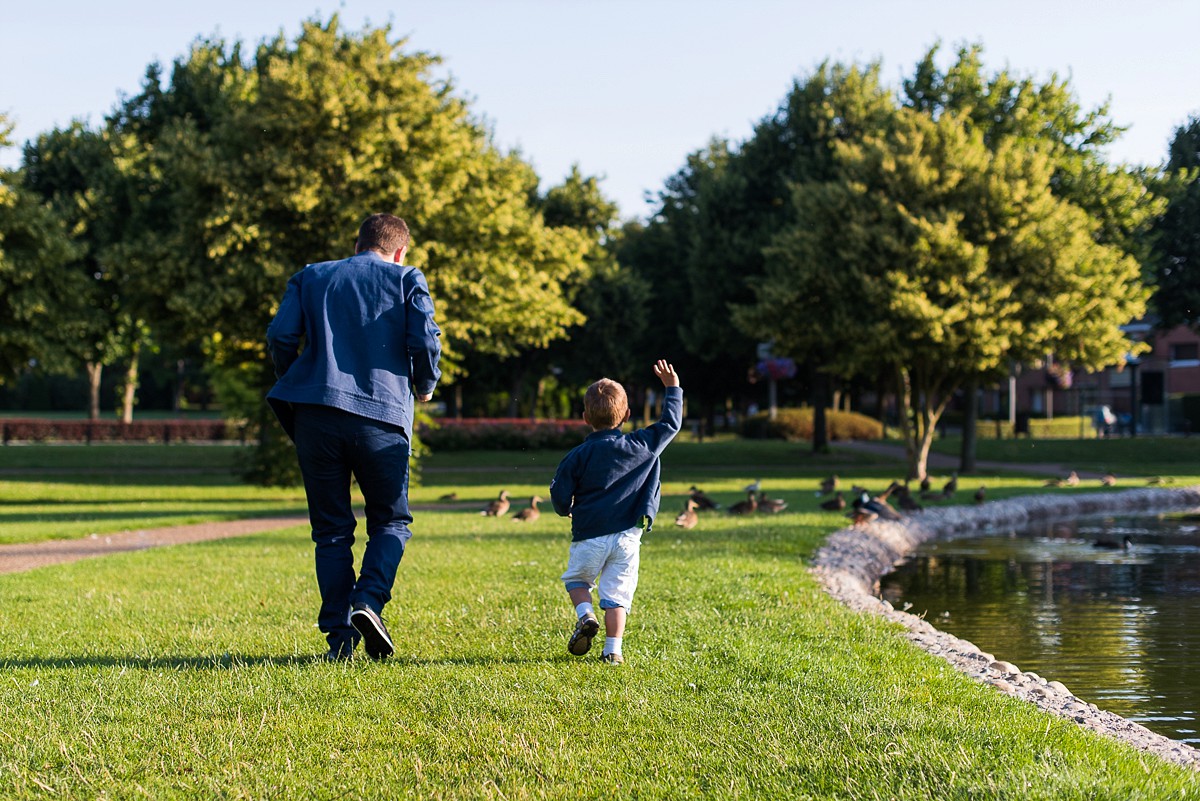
{"x": 385, "y": 233}
{"x": 605, "y": 404}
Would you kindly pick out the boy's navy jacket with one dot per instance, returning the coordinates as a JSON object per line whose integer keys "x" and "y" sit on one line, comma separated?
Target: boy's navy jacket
{"x": 370, "y": 340}
{"x": 611, "y": 481}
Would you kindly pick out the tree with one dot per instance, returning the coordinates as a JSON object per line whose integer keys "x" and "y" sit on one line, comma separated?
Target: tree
{"x": 40, "y": 299}
{"x": 247, "y": 168}
{"x": 74, "y": 171}
{"x": 937, "y": 252}
{"x": 1177, "y": 234}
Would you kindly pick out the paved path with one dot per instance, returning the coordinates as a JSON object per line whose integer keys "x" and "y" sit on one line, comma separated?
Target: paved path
{"x": 26, "y": 556}
{"x": 946, "y": 463}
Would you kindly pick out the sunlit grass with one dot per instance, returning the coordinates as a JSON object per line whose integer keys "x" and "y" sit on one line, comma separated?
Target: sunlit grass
{"x": 188, "y": 672}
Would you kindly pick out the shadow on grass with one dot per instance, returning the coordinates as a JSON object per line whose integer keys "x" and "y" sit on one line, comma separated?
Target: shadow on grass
{"x": 236, "y": 661}
{"x": 165, "y": 513}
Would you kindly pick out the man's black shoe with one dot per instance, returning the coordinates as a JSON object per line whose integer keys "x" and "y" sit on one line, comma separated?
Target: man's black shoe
{"x": 375, "y": 635}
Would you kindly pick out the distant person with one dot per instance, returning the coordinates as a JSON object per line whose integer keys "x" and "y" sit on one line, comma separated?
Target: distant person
{"x": 1104, "y": 420}
{"x": 370, "y": 347}
{"x": 609, "y": 486}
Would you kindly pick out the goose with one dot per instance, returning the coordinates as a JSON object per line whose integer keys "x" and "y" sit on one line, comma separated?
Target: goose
{"x": 530, "y": 513}
{"x": 980, "y": 493}
{"x": 770, "y": 505}
{"x": 688, "y": 518}
{"x": 498, "y": 506}
{"x": 745, "y": 507}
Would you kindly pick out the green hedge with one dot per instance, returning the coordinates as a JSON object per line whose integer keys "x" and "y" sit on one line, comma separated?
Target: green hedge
{"x": 502, "y": 434}
{"x": 1058, "y": 428}
{"x": 797, "y": 424}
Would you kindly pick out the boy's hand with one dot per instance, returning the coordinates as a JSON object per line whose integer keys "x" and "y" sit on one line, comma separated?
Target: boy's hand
{"x": 666, "y": 373}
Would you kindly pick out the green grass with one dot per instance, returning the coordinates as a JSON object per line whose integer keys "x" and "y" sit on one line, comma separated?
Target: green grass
{"x": 188, "y": 672}
{"x": 1139, "y": 456}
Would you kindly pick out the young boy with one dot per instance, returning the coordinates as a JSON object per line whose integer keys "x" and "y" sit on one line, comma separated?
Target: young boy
{"x": 609, "y": 486}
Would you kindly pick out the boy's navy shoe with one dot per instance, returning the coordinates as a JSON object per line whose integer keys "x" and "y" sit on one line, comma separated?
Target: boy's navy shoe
{"x": 374, "y": 634}
{"x": 581, "y": 639}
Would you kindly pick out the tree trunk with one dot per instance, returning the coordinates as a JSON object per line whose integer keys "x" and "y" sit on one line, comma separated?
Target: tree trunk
{"x": 458, "y": 400}
{"x": 966, "y": 462}
{"x": 820, "y": 400}
{"x": 129, "y": 391}
{"x": 94, "y": 372}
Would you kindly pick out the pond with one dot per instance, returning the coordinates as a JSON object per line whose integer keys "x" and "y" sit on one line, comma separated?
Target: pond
{"x": 1120, "y": 626}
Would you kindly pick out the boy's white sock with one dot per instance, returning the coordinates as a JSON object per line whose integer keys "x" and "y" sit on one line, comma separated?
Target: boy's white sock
{"x": 583, "y": 608}
{"x": 612, "y": 645}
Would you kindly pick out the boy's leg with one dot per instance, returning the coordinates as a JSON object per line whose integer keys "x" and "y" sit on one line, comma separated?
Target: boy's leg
{"x": 584, "y": 562}
{"x": 617, "y": 584}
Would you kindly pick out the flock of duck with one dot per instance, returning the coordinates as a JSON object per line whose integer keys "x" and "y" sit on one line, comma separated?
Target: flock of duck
{"x": 864, "y": 506}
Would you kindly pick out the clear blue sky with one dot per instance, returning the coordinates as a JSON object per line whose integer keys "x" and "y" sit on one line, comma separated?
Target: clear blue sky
{"x": 627, "y": 89}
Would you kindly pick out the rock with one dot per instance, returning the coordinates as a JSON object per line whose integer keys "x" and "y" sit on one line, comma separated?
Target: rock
{"x": 1059, "y": 687}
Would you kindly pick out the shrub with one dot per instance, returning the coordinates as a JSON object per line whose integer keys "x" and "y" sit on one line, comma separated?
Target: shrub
{"x": 40, "y": 430}
{"x": 797, "y": 424}
{"x": 502, "y": 434}
{"x": 1039, "y": 428}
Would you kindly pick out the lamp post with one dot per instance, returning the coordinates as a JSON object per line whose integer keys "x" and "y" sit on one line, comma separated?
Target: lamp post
{"x": 1133, "y": 363}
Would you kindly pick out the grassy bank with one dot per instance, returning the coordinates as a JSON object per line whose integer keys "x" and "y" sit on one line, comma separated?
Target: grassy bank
{"x": 188, "y": 672}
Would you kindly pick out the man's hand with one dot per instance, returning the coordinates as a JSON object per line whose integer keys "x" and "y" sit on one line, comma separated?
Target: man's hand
{"x": 425, "y": 398}
{"x": 666, "y": 373}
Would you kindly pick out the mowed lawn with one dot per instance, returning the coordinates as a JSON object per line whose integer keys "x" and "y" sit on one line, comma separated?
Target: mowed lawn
{"x": 189, "y": 671}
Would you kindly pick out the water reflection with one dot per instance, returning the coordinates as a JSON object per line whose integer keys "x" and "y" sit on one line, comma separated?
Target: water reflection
{"x": 1117, "y": 626}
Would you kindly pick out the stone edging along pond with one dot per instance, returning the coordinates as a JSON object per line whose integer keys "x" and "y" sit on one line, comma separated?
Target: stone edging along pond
{"x": 853, "y": 560}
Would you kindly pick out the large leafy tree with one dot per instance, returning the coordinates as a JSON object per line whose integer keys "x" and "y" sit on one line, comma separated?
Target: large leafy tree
{"x": 1177, "y": 242}
{"x": 249, "y": 166}
{"x": 74, "y": 171}
{"x": 40, "y": 298}
{"x": 941, "y": 248}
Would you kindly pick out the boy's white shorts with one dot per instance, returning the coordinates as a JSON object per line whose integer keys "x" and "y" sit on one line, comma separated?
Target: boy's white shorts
{"x": 610, "y": 563}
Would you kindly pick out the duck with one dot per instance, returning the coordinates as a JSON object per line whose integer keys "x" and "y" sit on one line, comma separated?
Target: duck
{"x": 530, "y": 513}
{"x": 702, "y": 500}
{"x": 497, "y": 507}
{"x": 1072, "y": 480}
{"x": 448, "y": 497}
{"x": 861, "y": 516}
{"x": 878, "y": 507}
{"x": 951, "y": 486}
{"x": 829, "y": 485}
{"x": 980, "y": 493}
{"x": 770, "y": 506}
{"x": 1108, "y": 480}
{"x": 746, "y": 507}
{"x": 1158, "y": 481}
{"x": 925, "y": 484}
{"x": 907, "y": 502}
{"x": 835, "y": 504}
{"x": 688, "y": 518}
{"x": 1112, "y": 545}
{"x": 753, "y": 486}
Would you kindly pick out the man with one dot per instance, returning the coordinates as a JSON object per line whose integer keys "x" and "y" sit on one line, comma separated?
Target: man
{"x": 370, "y": 346}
